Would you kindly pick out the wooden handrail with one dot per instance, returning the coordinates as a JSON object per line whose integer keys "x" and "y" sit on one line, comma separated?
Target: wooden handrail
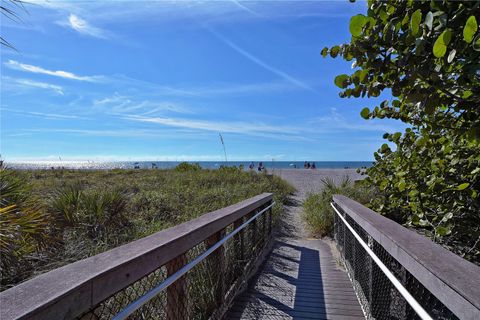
{"x": 453, "y": 280}
{"x": 69, "y": 291}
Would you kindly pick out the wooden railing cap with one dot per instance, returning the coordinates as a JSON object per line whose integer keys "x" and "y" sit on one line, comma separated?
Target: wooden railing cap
{"x": 71, "y": 290}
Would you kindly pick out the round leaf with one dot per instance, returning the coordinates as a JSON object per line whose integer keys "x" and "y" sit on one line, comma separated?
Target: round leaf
{"x": 356, "y": 24}
{"x": 470, "y": 28}
{"x": 334, "y": 51}
{"x": 341, "y": 81}
{"x": 365, "y": 113}
{"x": 324, "y": 52}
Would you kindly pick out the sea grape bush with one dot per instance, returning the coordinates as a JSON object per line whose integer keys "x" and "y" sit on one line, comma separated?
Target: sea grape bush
{"x": 426, "y": 55}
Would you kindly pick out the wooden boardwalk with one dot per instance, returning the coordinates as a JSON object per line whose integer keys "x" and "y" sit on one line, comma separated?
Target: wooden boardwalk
{"x": 301, "y": 279}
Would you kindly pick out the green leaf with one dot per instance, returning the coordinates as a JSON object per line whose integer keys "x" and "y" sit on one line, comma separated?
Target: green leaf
{"x": 413, "y": 193}
{"x": 470, "y": 28}
{"x": 415, "y": 21}
{"x": 341, "y": 81}
{"x": 429, "y": 20}
{"x": 324, "y": 52}
{"x": 442, "y": 231}
{"x": 401, "y": 185}
{"x": 415, "y": 219}
{"x": 463, "y": 186}
{"x": 334, "y": 51}
{"x": 467, "y": 94}
{"x": 363, "y": 74}
{"x": 365, "y": 113}
{"x": 356, "y": 24}
{"x": 397, "y": 136}
{"x": 440, "y": 46}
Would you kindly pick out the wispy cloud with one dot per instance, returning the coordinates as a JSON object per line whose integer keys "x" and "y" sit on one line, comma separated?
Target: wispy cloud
{"x": 213, "y": 89}
{"x": 245, "y": 8}
{"x": 84, "y": 27}
{"x": 52, "y": 116}
{"x": 17, "y": 85}
{"x": 261, "y": 63}
{"x": 335, "y": 121}
{"x": 15, "y": 65}
{"x": 119, "y": 104}
{"x": 247, "y": 128}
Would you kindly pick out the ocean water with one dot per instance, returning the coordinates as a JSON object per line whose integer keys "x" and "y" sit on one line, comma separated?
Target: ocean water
{"x": 105, "y": 165}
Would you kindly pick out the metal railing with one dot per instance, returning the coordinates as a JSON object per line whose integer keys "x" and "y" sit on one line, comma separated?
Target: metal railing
{"x": 399, "y": 274}
{"x": 190, "y": 271}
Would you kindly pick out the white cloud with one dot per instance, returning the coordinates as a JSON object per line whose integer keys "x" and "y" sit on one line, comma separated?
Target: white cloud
{"x": 18, "y": 85}
{"x": 42, "y": 85}
{"x": 82, "y": 26}
{"x": 12, "y": 64}
{"x": 52, "y": 116}
{"x": 118, "y": 104}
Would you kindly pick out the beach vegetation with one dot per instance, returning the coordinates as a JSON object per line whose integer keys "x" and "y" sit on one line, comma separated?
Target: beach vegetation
{"x": 80, "y": 213}
{"x": 423, "y": 56}
{"x": 317, "y": 212}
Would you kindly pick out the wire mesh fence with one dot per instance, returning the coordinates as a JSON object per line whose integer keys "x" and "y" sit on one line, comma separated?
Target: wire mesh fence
{"x": 206, "y": 290}
{"x": 377, "y": 295}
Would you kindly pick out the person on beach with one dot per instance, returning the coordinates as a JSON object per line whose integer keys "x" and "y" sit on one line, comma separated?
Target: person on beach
{"x": 305, "y": 165}
{"x": 260, "y": 166}
{"x": 251, "y": 165}
{"x": 314, "y": 166}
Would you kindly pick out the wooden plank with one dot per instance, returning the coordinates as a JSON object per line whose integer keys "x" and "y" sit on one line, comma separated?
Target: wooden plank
{"x": 446, "y": 275}
{"x": 177, "y": 295}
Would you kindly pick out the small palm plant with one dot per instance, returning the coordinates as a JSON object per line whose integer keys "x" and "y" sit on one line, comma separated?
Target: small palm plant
{"x": 23, "y": 225}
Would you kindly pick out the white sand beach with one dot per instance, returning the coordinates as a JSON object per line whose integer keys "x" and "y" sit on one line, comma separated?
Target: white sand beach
{"x": 310, "y": 181}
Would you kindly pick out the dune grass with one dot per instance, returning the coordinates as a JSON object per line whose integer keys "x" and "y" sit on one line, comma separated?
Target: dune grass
{"x": 83, "y": 213}
{"x": 317, "y": 211}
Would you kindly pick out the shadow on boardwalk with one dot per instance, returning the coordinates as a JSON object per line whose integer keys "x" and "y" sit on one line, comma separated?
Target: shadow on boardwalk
{"x": 299, "y": 280}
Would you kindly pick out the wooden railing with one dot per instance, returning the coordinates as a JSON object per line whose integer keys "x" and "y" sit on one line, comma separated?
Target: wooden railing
{"x": 443, "y": 284}
{"x": 102, "y": 286}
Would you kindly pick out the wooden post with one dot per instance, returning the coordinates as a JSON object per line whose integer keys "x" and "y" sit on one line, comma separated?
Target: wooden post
{"x": 217, "y": 266}
{"x": 270, "y": 213}
{"x": 177, "y": 295}
{"x": 238, "y": 239}
{"x": 254, "y": 233}
{"x": 264, "y": 229}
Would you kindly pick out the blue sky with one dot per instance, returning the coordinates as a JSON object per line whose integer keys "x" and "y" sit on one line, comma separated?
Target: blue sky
{"x": 158, "y": 80}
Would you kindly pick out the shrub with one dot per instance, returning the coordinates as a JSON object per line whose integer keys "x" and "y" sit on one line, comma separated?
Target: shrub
{"x": 185, "y": 166}
{"x": 425, "y": 54}
{"x": 317, "y": 211}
